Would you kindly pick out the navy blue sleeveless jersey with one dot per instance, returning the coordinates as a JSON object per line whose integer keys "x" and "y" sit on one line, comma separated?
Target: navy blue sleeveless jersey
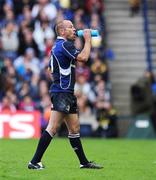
{"x": 62, "y": 65}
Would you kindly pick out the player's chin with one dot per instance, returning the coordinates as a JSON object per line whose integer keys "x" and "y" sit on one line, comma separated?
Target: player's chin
{"x": 73, "y": 38}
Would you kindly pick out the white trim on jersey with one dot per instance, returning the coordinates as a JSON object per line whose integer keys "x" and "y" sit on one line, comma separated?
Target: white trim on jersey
{"x": 64, "y": 72}
{"x": 67, "y": 50}
{"x": 60, "y": 37}
{"x": 51, "y": 63}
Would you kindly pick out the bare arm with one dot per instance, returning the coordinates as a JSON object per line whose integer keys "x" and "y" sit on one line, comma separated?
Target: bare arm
{"x": 84, "y": 54}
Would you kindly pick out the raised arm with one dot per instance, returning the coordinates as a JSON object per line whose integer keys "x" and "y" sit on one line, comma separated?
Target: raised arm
{"x": 84, "y": 54}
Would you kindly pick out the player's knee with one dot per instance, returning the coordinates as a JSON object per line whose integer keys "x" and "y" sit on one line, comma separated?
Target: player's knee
{"x": 54, "y": 131}
{"x": 75, "y": 129}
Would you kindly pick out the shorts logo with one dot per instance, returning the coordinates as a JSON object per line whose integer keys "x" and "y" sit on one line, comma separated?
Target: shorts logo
{"x": 67, "y": 108}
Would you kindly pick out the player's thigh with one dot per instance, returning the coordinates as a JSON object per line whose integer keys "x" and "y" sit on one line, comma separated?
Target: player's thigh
{"x": 55, "y": 120}
{"x": 72, "y": 123}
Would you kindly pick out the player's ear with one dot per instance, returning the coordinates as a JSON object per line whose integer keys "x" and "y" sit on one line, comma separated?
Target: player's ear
{"x": 62, "y": 31}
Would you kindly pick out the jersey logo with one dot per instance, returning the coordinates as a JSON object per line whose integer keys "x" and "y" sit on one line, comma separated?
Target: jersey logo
{"x": 76, "y": 52}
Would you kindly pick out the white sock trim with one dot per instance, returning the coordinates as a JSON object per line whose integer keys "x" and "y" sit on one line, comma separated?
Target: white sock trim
{"x": 49, "y": 133}
{"x": 74, "y": 135}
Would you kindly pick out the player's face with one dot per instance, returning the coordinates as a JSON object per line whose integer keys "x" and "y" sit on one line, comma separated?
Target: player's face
{"x": 70, "y": 31}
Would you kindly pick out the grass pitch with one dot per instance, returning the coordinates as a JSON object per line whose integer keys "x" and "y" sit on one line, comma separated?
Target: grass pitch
{"x": 122, "y": 160}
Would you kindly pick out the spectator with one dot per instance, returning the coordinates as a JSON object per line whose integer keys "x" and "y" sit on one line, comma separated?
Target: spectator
{"x": 25, "y": 90}
{"x": 105, "y": 114}
{"x": 48, "y": 8}
{"x": 27, "y": 65}
{"x": 102, "y": 96}
{"x": 75, "y": 5}
{"x": 43, "y": 88}
{"x": 7, "y": 7}
{"x": 78, "y": 19}
{"x": 95, "y": 22}
{"x": 83, "y": 70}
{"x": 86, "y": 115}
{"x": 2, "y": 2}
{"x": 134, "y": 7}
{"x": 27, "y": 104}
{"x": 18, "y": 5}
{"x": 10, "y": 41}
{"x": 34, "y": 87}
{"x": 98, "y": 67}
{"x": 42, "y": 31}
{"x": 82, "y": 86}
{"x": 9, "y": 17}
{"x": 49, "y": 41}
{"x": 6, "y": 105}
{"x": 13, "y": 97}
{"x": 27, "y": 41}
{"x": 141, "y": 95}
{"x": 96, "y": 6}
{"x": 2, "y": 86}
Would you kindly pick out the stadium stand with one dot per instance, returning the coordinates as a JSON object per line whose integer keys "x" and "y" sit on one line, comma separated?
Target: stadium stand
{"x": 130, "y": 30}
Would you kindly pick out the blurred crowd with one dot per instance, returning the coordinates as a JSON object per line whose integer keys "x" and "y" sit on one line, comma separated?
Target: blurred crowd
{"x": 26, "y": 38}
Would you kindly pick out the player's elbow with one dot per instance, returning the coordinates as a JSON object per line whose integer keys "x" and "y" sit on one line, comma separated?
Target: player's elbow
{"x": 82, "y": 58}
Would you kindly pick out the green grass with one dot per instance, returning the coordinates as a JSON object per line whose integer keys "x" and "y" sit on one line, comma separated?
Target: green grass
{"x": 122, "y": 160}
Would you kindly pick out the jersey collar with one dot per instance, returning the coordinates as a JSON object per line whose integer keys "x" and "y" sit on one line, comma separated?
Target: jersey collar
{"x": 60, "y": 37}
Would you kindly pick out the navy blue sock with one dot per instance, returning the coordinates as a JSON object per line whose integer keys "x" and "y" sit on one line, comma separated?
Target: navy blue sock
{"x": 77, "y": 146}
{"x": 42, "y": 146}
